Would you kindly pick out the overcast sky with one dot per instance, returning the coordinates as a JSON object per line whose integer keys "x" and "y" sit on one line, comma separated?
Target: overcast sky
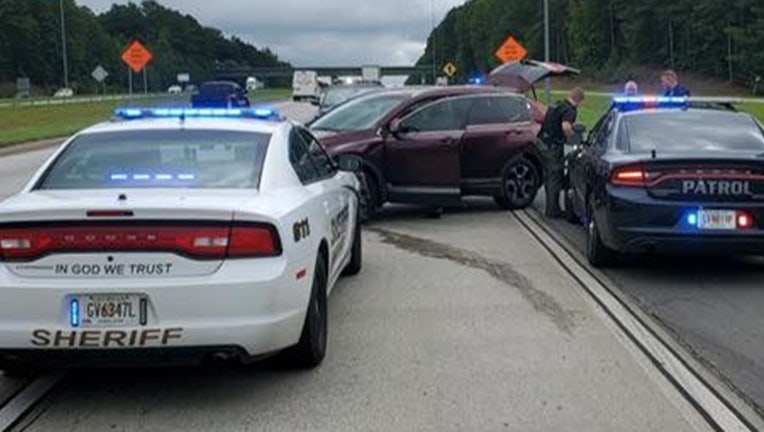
{"x": 320, "y": 32}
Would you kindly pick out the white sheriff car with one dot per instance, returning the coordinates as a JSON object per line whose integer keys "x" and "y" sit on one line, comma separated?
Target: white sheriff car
{"x": 177, "y": 234}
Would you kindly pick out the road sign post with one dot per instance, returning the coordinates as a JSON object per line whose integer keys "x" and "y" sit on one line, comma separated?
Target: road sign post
{"x": 450, "y": 69}
{"x": 100, "y": 74}
{"x": 511, "y": 50}
{"x": 137, "y": 56}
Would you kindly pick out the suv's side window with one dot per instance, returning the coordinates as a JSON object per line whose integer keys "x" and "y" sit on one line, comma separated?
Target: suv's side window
{"x": 300, "y": 158}
{"x": 499, "y": 109}
{"x": 443, "y": 115}
{"x": 321, "y": 159}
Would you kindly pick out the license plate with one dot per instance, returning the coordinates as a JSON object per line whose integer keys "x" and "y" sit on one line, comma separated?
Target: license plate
{"x": 717, "y": 219}
{"x": 108, "y": 310}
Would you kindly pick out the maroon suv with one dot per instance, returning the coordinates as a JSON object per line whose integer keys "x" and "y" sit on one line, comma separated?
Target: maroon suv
{"x": 434, "y": 145}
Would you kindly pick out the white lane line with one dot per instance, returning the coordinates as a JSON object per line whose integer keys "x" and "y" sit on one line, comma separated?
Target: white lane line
{"x": 13, "y": 411}
{"x": 705, "y": 399}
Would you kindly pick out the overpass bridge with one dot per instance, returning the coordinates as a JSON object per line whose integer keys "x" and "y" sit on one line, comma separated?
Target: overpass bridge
{"x": 271, "y": 73}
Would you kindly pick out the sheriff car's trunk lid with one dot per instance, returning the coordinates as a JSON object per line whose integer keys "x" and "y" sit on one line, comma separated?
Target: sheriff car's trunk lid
{"x": 701, "y": 179}
{"x": 127, "y": 234}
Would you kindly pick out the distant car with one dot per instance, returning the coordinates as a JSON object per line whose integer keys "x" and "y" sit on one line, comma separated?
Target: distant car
{"x": 146, "y": 237}
{"x": 434, "y": 145}
{"x": 671, "y": 174}
{"x": 220, "y": 94}
{"x": 175, "y": 89}
{"x": 191, "y": 89}
{"x": 63, "y": 93}
{"x": 337, "y": 94}
{"x": 305, "y": 86}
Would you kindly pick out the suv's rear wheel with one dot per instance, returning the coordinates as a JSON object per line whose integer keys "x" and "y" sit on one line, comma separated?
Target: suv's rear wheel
{"x": 370, "y": 195}
{"x": 520, "y": 182}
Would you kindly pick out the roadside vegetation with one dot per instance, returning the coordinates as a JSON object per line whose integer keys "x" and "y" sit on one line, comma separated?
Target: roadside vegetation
{"x": 25, "y": 124}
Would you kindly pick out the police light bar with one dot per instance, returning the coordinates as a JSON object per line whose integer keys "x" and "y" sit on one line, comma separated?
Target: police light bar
{"x": 625, "y": 103}
{"x": 245, "y": 113}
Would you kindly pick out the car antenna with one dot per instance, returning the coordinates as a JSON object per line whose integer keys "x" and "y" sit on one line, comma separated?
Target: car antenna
{"x": 654, "y": 154}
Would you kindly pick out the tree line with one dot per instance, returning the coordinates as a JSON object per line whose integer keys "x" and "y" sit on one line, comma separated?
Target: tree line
{"x": 30, "y": 45}
{"x": 611, "y": 40}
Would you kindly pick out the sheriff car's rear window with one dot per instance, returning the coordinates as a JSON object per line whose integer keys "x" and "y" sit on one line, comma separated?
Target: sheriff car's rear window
{"x": 200, "y": 159}
{"x": 693, "y": 131}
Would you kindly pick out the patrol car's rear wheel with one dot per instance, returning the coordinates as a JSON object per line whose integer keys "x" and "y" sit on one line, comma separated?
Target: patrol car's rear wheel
{"x": 570, "y": 212}
{"x": 310, "y": 351}
{"x": 356, "y": 251}
{"x": 597, "y": 253}
{"x": 520, "y": 182}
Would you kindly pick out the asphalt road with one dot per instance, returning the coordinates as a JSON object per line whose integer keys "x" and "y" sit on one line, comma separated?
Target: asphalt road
{"x": 713, "y": 305}
{"x": 461, "y": 323}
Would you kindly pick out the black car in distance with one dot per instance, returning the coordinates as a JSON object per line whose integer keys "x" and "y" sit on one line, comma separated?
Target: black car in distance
{"x": 220, "y": 94}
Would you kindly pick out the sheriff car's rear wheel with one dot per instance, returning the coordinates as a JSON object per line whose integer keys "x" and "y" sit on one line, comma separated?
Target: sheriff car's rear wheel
{"x": 12, "y": 369}
{"x": 519, "y": 184}
{"x": 310, "y": 351}
{"x": 356, "y": 251}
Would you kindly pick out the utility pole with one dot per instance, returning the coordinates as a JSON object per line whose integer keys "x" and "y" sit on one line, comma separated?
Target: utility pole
{"x": 729, "y": 53}
{"x": 434, "y": 42}
{"x": 547, "y": 82}
{"x": 63, "y": 44}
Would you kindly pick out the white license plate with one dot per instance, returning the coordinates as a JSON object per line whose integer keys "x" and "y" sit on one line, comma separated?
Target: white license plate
{"x": 108, "y": 310}
{"x": 717, "y": 219}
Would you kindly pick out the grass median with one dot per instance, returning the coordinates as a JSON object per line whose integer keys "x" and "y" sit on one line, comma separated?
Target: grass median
{"x": 24, "y": 124}
{"x": 596, "y": 105}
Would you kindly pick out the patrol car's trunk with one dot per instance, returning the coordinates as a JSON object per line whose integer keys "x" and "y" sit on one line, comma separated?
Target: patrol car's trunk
{"x": 700, "y": 179}
{"x": 127, "y": 234}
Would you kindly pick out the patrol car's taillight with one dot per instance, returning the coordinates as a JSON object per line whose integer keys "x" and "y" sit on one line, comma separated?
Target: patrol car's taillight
{"x": 629, "y": 176}
{"x": 193, "y": 241}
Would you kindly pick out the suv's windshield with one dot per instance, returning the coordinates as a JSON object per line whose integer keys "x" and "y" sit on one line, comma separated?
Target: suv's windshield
{"x": 197, "y": 159}
{"x": 359, "y": 114}
{"x": 693, "y": 131}
{"x": 337, "y": 95}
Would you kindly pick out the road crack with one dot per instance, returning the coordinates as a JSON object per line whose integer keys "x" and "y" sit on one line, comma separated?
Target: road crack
{"x": 502, "y": 271}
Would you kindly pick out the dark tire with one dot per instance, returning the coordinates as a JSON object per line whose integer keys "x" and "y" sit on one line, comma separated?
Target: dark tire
{"x": 310, "y": 351}
{"x": 520, "y": 181}
{"x": 16, "y": 370}
{"x": 597, "y": 253}
{"x": 370, "y": 196}
{"x": 570, "y": 212}
{"x": 356, "y": 252}
{"x": 500, "y": 201}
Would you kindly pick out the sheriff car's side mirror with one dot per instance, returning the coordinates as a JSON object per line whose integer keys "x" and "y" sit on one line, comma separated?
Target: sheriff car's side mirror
{"x": 349, "y": 163}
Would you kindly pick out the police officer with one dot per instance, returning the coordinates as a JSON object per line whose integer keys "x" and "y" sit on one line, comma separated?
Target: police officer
{"x": 556, "y": 130}
{"x": 671, "y": 86}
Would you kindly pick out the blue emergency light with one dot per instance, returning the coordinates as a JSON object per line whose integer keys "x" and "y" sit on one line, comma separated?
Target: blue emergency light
{"x": 630, "y": 103}
{"x": 243, "y": 113}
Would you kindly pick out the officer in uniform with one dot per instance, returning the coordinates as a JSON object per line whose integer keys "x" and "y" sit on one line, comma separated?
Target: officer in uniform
{"x": 671, "y": 86}
{"x": 556, "y": 130}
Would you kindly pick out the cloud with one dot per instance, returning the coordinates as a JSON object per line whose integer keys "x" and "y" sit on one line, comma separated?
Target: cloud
{"x": 321, "y": 32}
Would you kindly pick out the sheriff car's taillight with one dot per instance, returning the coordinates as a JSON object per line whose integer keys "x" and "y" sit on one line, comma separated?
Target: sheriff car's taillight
{"x": 209, "y": 242}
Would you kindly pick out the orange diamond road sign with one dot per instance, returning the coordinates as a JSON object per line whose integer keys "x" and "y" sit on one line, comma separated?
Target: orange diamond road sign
{"x": 137, "y": 56}
{"x": 511, "y": 50}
